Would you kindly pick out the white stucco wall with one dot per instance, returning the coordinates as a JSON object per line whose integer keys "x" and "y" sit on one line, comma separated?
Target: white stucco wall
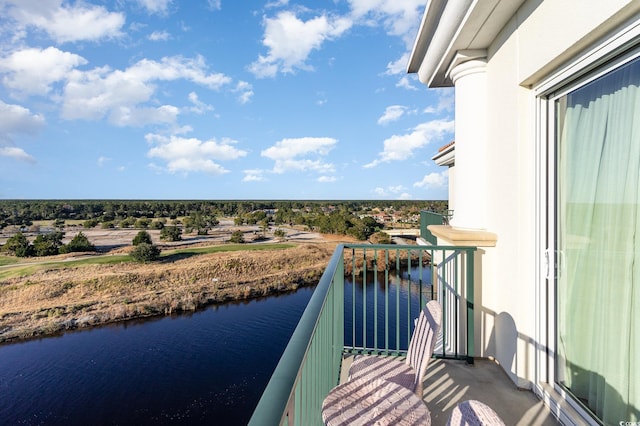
{"x": 541, "y": 37}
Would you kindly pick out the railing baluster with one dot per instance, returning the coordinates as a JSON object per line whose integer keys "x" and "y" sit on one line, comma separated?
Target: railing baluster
{"x": 353, "y": 297}
{"x": 364, "y": 299}
{"x": 456, "y": 303}
{"x": 408, "y": 296}
{"x": 386, "y": 301}
{"x": 375, "y": 300}
{"x": 398, "y": 286}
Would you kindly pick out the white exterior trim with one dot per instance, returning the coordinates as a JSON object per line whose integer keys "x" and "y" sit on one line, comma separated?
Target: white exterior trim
{"x": 533, "y": 50}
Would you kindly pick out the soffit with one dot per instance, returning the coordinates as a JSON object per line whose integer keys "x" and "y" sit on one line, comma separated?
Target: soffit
{"x": 459, "y": 25}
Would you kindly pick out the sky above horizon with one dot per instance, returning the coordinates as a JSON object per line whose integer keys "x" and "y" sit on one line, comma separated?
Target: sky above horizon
{"x": 217, "y": 99}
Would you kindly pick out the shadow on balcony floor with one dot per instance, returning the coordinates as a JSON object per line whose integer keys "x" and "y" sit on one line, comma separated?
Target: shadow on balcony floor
{"x": 450, "y": 382}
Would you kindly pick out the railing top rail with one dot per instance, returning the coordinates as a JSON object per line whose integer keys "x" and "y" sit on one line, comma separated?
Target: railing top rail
{"x": 274, "y": 400}
{"x": 409, "y": 247}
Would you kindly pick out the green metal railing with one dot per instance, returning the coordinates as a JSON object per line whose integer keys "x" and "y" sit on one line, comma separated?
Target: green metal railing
{"x": 366, "y": 302}
{"x": 431, "y": 218}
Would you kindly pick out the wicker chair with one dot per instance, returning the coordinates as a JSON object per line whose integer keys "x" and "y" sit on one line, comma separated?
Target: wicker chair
{"x": 410, "y": 372}
{"x": 474, "y": 413}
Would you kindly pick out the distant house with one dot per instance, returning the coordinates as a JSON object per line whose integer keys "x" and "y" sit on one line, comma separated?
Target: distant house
{"x": 545, "y": 177}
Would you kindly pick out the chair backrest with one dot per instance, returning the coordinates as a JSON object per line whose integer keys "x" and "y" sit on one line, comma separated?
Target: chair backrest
{"x": 423, "y": 342}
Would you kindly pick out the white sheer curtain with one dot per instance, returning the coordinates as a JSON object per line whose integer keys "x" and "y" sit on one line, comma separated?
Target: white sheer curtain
{"x": 598, "y": 241}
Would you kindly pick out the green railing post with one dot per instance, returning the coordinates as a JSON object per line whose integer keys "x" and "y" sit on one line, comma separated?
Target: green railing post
{"x": 429, "y": 218}
{"x": 293, "y": 377}
{"x": 470, "y": 298}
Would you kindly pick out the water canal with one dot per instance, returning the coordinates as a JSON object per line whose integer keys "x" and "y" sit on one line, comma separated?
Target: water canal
{"x": 209, "y": 367}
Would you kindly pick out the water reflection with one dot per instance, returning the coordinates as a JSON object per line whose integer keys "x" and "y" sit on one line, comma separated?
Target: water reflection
{"x": 384, "y": 294}
{"x": 209, "y": 367}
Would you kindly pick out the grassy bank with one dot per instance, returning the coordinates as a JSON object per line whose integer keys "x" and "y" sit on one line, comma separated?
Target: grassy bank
{"x": 51, "y": 297}
{"x": 14, "y": 268}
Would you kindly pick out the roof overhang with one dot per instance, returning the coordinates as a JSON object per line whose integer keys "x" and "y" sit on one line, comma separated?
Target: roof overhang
{"x": 446, "y": 155}
{"x": 449, "y": 27}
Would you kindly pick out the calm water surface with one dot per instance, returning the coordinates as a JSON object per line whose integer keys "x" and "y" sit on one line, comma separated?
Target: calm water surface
{"x": 206, "y": 368}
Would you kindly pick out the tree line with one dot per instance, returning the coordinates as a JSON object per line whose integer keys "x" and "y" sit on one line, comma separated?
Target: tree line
{"x": 353, "y": 218}
{"x": 25, "y": 212}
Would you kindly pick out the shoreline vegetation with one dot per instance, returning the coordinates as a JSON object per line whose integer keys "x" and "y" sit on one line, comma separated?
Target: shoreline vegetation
{"x": 56, "y": 296}
{"x": 282, "y": 245}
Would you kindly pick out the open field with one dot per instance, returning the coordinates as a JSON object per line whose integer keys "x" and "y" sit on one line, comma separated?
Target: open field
{"x": 49, "y": 295}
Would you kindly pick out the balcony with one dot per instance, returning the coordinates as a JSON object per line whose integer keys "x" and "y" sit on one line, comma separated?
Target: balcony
{"x": 366, "y": 302}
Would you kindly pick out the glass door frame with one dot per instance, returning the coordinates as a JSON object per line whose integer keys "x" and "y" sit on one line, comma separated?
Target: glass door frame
{"x": 610, "y": 54}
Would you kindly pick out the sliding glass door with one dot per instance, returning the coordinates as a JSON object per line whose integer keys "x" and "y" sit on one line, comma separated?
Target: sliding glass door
{"x": 597, "y": 243}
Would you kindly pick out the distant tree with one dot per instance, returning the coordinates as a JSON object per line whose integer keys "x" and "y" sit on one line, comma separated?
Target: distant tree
{"x": 371, "y": 225}
{"x": 357, "y": 232}
{"x": 107, "y": 225}
{"x": 142, "y": 237}
{"x": 145, "y": 252}
{"x": 171, "y": 233}
{"x": 18, "y": 245}
{"x": 380, "y": 238}
{"x": 58, "y": 223}
{"x": 237, "y": 237}
{"x": 143, "y": 223}
{"x": 264, "y": 226}
{"x": 90, "y": 223}
{"x": 79, "y": 243}
{"x": 157, "y": 224}
{"x": 280, "y": 233}
{"x": 48, "y": 244}
{"x": 127, "y": 222}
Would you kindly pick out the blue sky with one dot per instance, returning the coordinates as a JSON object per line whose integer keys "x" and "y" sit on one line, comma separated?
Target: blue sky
{"x": 217, "y": 99}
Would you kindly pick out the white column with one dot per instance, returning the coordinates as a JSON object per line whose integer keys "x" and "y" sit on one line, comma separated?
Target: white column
{"x": 469, "y": 78}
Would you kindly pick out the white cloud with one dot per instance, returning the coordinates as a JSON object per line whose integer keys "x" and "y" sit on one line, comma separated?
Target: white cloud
{"x": 64, "y": 22}
{"x": 277, "y": 3}
{"x": 393, "y": 191}
{"x": 32, "y": 71}
{"x": 102, "y": 161}
{"x": 401, "y": 147}
{"x": 198, "y": 107}
{"x": 253, "y": 175}
{"x": 116, "y": 94}
{"x": 193, "y": 155}
{"x": 446, "y": 101}
{"x": 327, "y": 179}
{"x": 433, "y": 180}
{"x": 16, "y": 154}
{"x": 301, "y": 154}
{"x": 142, "y": 116}
{"x": 399, "y": 66}
{"x": 156, "y": 6}
{"x": 405, "y": 83}
{"x": 245, "y": 92}
{"x": 214, "y": 4}
{"x": 399, "y": 17}
{"x": 16, "y": 120}
{"x": 392, "y": 113}
{"x": 159, "y": 36}
{"x": 291, "y": 40}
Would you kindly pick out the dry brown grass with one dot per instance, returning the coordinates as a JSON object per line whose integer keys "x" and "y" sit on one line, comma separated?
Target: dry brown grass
{"x": 53, "y": 300}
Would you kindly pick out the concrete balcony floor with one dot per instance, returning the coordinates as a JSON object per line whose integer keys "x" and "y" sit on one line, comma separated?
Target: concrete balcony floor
{"x": 449, "y": 382}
